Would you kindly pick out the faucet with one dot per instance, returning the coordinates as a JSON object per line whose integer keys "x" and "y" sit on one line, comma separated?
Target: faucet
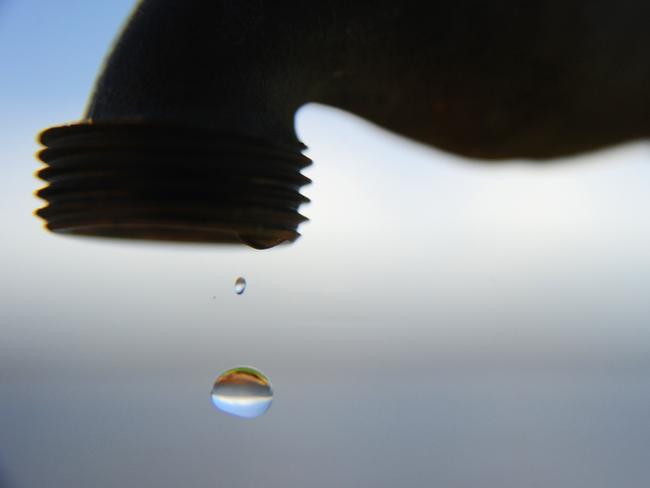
{"x": 189, "y": 134}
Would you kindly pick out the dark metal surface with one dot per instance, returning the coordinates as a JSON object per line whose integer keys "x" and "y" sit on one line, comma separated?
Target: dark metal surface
{"x": 189, "y": 134}
{"x": 164, "y": 183}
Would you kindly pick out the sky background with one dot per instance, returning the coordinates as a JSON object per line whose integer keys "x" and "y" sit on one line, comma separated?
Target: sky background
{"x": 440, "y": 323}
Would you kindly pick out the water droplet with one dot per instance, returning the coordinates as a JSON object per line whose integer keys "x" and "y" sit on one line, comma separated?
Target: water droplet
{"x": 243, "y": 392}
{"x": 240, "y": 285}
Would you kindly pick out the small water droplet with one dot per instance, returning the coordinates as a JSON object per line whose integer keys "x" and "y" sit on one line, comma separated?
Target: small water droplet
{"x": 240, "y": 285}
{"x": 243, "y": 392}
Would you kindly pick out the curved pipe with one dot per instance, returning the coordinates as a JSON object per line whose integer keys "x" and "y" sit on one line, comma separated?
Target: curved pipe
{"x": 189, "y": 134}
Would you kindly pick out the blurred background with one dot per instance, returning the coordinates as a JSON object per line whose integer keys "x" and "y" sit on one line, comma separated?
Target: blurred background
{"x": 440, "y": 323}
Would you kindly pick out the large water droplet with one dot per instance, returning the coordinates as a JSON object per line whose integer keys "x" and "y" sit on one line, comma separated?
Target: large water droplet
{"x": 240, "y": 285}
{"x": 243, "y": 392}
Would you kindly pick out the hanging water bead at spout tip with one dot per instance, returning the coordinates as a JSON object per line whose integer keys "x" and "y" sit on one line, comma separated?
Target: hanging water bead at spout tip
{"x": 240, "y": 285}
{"x": 243, "y": 392}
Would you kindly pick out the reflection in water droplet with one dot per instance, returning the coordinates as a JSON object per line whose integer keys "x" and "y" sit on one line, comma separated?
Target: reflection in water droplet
{"x": 243, "y": 392}
{"x": 240, "y": 285}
